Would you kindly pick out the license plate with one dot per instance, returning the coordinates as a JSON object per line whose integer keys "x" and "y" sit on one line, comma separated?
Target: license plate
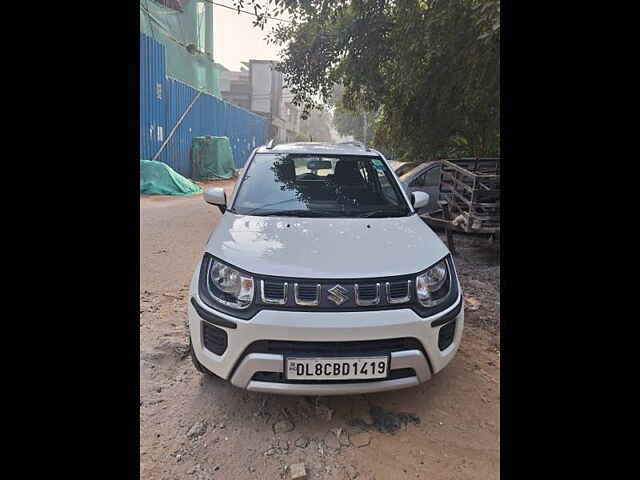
{"x": 342, "y": 368}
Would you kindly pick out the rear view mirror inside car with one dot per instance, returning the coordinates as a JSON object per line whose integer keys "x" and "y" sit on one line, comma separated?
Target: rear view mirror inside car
{"x": 319, "y": 165}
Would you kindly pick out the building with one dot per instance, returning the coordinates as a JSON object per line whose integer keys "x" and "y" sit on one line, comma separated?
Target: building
{"x": 259, "y": 87}
{"x": 234, "y": 86}
{"x": 266, "y": 95}
{"x": 185, "y": 29}
{"x": 179, "y": 87}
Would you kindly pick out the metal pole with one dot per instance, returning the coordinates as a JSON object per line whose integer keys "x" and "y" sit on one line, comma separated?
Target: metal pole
{"x": 366, "y": 126}
{"x": 176, "y": 127}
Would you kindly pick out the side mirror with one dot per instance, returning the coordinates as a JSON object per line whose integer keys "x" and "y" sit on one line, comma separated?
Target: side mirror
{"x": 419, "y": 199}
{"x": 216, "y": 196}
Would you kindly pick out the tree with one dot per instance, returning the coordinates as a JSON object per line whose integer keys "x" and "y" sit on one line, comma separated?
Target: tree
{"x": 431, "y": 68}
{"x": 357, "y": 123}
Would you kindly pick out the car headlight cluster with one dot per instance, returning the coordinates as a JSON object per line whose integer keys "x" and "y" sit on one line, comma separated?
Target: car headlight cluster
{"x": 433, "y": 285}
{"x": 229, "y": 286}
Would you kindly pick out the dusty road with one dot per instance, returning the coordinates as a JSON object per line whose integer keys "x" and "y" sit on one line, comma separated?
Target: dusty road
{"x": 191, "y": 428}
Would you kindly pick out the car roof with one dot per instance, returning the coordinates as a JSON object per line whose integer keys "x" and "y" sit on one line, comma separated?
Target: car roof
{"x": 320, "y": 148}
{"x": 415, "y": 171}
{"x": 411, "y": 165}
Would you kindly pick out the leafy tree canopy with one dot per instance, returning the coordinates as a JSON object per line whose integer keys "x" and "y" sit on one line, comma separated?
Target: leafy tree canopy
{"x": 429, "y": 68}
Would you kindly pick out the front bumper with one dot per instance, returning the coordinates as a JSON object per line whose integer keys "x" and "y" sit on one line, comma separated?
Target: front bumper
{"x": 239, "y": 366}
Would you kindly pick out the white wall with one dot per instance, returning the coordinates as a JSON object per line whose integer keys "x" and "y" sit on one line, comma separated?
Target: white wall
{"x": 261, "y": 87}
{"x": 226, "y": 77}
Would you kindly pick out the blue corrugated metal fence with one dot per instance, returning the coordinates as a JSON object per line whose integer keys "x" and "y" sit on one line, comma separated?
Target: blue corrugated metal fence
{"x": 163, "y": 100}
{"x": 152, "y": 77}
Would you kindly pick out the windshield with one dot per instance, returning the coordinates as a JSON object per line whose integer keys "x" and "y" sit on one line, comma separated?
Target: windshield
{"x": 311, "y": 185}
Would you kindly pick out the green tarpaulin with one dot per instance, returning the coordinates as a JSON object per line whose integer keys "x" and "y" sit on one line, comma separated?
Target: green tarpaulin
{"x": 157, "y": 178}
{"x": 176, "y": 29}
{"x": 211, "y": 158}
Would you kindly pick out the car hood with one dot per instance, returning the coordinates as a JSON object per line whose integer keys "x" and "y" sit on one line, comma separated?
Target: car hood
{"x": 326, "y": 247}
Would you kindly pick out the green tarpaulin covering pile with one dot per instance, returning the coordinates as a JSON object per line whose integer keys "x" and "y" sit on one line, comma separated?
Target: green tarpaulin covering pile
{"x": 157, "y": 178}
{"x": 211, "y": 158}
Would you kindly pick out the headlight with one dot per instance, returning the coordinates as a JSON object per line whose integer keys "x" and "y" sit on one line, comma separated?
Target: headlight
{"x": 433, "y": 285}
{"x": 230, "y": 287}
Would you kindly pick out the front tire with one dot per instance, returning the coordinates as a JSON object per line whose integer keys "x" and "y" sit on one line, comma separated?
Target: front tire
{"x": 194, "y": 360}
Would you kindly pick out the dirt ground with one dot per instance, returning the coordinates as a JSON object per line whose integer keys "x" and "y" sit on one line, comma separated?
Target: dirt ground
{"x": 197, "y": 428}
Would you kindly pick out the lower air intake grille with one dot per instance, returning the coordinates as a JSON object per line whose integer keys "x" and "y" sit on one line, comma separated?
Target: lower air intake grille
{"x": 446, "y": 334}
{"x": 214, "y": 338}
{"x": 284, "y": 347}
{"x": 278, "y": 377}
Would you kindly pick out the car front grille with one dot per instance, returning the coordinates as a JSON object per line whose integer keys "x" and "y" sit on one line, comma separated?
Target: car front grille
{"x": 326, "y": 295}
{"x": 398, "y": 289}
{"x": 307, "y": 292}
{"x": 337, "y": 294}
{"x": 368, "y": 292}
{"x": 274, "y": 290}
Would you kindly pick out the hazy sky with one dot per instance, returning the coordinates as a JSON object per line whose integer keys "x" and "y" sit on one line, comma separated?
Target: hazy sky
{"x": 235, "y": 39}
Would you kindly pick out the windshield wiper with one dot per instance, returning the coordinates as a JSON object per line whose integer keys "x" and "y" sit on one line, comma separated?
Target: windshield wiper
{"x": 295, "y": 213}
{"x": 288, "y": 200}
{"x": 382, "y": 213}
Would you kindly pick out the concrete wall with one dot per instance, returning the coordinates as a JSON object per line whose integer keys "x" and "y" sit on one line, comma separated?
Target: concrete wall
{"x": 261, "y": 79}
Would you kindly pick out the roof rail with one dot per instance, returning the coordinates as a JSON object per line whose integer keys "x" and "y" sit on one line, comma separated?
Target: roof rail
{"x": 355, "y": 143}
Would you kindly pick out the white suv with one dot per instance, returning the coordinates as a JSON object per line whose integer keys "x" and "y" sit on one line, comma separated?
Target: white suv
{"x": 320, "y": 278}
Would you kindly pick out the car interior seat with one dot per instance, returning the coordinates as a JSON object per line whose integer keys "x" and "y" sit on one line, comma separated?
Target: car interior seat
{"x": 348, "y": 174}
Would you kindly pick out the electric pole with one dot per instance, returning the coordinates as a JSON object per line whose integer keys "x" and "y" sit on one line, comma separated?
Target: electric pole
{"x": 365, "y": 127}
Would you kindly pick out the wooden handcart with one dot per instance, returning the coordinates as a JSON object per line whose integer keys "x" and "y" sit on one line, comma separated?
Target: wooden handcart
{"x": 469, "y": 197}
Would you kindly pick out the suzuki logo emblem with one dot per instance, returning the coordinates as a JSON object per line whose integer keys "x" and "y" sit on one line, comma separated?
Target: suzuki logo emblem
{"x": 338, "y": 294}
